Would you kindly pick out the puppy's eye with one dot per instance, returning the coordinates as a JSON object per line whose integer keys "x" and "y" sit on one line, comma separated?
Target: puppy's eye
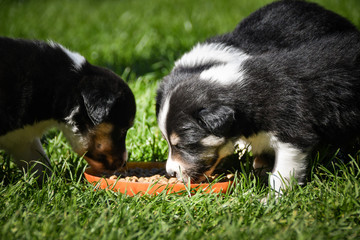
{"x": 178, "y": 147}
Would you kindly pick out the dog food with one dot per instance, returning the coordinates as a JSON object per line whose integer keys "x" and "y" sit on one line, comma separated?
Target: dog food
{"x": 155, "y": 175}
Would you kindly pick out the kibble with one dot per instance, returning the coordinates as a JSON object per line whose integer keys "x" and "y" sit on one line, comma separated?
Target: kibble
{"x": 155, "y": 175}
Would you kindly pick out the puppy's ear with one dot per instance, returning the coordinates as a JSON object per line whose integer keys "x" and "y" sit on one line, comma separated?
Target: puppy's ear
{"x": 218, "y": 120}
{"x": 98, "y": 104}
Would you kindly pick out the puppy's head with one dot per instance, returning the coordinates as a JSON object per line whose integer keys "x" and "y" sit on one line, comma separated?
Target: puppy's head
{"x": 198, "y": 129}
{"x": 99, "y": 123}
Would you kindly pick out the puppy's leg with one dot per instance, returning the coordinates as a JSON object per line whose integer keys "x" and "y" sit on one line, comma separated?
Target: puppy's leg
{"x": 290, "y": 163}
{"x": 29, "y": 155}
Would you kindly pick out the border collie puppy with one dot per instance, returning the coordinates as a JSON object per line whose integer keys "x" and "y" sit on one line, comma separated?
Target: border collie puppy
{"x": 44, "y": 85}
{"x": 285, "y": 80}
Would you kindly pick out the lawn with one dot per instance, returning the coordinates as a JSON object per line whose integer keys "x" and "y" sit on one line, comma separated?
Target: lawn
{"x": 140, "y": 40}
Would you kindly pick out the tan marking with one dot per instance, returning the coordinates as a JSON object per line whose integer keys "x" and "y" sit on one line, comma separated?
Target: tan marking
{"x": 104, "y": 128}
{"x": 260, "y": 163}
{"x": 96, "y": 166}
{"x": 224, "y": 151}
{"x": 101, "y": 142}
{"x": 174, "y": 139}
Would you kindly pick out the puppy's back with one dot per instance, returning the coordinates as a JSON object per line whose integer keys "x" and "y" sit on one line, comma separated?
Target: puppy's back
{"x": 284, "y": 24}
{"x": 29, "y": 72}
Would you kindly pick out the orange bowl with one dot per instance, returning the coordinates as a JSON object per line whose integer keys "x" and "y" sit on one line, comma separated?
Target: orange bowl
{"x": 133, "y": 188}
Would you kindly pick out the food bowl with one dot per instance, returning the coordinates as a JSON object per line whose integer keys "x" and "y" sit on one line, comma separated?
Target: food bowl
{"x": 133, "y": 188}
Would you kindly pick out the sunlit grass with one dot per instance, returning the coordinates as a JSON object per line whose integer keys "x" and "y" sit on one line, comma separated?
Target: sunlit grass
{"x": 140, "y": 40}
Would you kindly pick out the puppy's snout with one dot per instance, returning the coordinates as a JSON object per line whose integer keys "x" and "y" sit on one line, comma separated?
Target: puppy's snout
{"x": 172, "y": 173}
{"x": 106, "y": 162}
{"x": 116, "y": 162}
{"x": 174, "y": 169}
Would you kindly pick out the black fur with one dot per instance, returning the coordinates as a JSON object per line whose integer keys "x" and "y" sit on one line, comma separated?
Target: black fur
{"x": 218, "y": 119}
{"x": 285, "y": 25}
{"x": 40, "y": 81}
{"x": 301, "y": 83}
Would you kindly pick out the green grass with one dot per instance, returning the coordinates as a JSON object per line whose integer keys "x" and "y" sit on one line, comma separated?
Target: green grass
{"x": 140, "y": 40}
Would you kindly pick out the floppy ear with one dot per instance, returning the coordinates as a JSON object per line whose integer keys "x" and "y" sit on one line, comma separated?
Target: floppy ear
{"x": 218, "y": 120}
{"x": 98, "y": 105}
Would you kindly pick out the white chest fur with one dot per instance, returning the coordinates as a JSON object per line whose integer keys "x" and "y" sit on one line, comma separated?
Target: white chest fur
{"x": 25, "y": 146}
{"x": 26, "y": 134}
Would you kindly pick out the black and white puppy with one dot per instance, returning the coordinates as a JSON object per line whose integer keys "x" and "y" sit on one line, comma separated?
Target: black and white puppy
{"x": 44, "y": 85}
{"x": 285, "y": 80}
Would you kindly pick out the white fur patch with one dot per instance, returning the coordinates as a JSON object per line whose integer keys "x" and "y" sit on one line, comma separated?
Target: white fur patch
{"x": 77, "y": 59}
{"x": 163, "y": 116}
{"x": 71, "y": 132}
{"x": 76, "y": 140}
{"x": 261, "y": 142}
{"x": 224, "y": 74}
{"x": 21, "y": 142}
{"x": 229, "y": 59}
{"x": 162, "y": 125}
{"x": 212, "y": 141}
{"x": 27, "y": 133}
{"x": 290, "y": 162}
{"x": 242, "y": 146}
{"x": 70, "y": 119}
{"x": 206, "y": 53}
{"x": 24, "y": 144}
{"x": 173, "y": 166}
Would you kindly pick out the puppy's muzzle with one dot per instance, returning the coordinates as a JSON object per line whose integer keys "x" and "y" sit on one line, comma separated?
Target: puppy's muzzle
{"x": 115, "y": 162}
{"x": 174, "y": 169}
{"x": 108, "y": 164}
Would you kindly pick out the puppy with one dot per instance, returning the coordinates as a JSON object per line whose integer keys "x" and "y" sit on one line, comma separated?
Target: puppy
{"x": 44, "y": 85}
{"x": 285, "y": 80}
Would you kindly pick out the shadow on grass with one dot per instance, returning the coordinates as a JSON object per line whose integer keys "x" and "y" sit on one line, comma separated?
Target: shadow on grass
{"x": 335, "y": 161}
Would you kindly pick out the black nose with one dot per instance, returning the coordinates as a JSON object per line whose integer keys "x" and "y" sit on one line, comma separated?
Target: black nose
{"x": 172, "y": 174}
